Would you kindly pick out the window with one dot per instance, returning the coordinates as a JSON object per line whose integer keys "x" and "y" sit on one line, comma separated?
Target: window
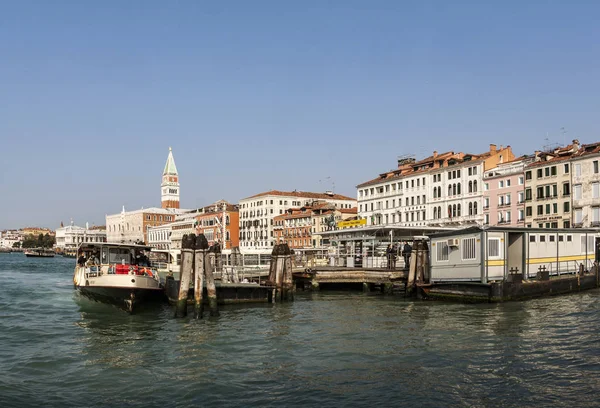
{"x": 542, "y": 238}
{"x": 569, "y": 238}
{"x": 595, "y": 166}
{"x": 540, "y": 192}
{"x": 486, "y": 187}
{"x": 540, "y": 173}
{"x": 532, "y": 238}
{"x": 521, "y": 181}
{"x": 508, "y": 183}
{"x": 528, "y": 175}
{"x": 528, "y": 194}
{"x": 555, "y": 208}
{"x": 551, "y": 238}
{"x": 596, "y": 190}
{"x": 561, "y": 238}
{"x": 494, "y": 247}
{"x": 595, "y": 214}
{"x": 566, "y": 206}
{"x": 578, "y": 216}
{"x": 577, "y": 192}
{"x": 553, "y": 171}
{"x": 468, "y": 249}
{"x": 442, "y": 251}
{"x": 501, "y": 184}
{"x": 520, "y": 196}
{"x": 566, "y": 189}
{"x": 566, "y": 168}
{"x": 578, "y": 170}
{"x": 521, "y": 217}
{"x": 547, "y": 171}
{"x": 529, "y": 211}
{"x": 540, "y": 210}
{"x": 587, "y": 244}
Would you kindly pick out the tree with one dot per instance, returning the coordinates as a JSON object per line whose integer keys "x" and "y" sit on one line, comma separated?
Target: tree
{"x": 16, "y": 245}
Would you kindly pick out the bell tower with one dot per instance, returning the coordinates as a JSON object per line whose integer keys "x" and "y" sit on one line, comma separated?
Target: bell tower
{"x": 170, "y": 184}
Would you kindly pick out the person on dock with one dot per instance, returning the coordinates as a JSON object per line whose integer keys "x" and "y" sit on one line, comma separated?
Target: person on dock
{"x": 389, "y": 252}
{"x": 406, "y": 252}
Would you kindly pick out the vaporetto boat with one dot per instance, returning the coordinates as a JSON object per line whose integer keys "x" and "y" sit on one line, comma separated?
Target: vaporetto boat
{"x": 118, "y": 274}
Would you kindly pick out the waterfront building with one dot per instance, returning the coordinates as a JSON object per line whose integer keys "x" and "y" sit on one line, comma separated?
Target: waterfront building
{"x": 504, "y": 193}
{"x": 170, "y": 184}
{"x": 326, "y": 218}
{"x": 69, "y": 237}
{"x": 9, "y": 237}
{"x": 132, "y": 226}
{"x": 548, "y": 188}
{"x": 585, "y": 192}
{"x": 441, "y": 190}
{"x": 257, "y": 213}
{"x": 36, "y": 231}
{"x": 219, "y": 222}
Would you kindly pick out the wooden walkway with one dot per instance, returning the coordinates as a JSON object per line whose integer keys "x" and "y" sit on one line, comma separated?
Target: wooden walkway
{"x": 340, "y": 275}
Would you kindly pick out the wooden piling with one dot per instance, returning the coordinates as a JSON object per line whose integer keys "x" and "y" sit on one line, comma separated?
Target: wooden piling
{"x": 287, "y": 283}
{"x": 199, "y": 257}
{"x": 236, "y": 262}
{"x": 211, "y": 289}
{"x": 280, "y": 273}
{"x": 187, "y": 263}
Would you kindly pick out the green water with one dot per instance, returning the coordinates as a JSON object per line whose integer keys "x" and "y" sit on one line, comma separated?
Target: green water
{"x": 326, "y": 350}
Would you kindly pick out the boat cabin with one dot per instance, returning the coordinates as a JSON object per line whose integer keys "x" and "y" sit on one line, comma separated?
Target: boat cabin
{"x": 113, "y": 258}
{"x": 483, "y": 255}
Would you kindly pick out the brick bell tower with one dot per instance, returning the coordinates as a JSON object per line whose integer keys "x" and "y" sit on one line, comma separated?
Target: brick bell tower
{"x": 170, "y": 184}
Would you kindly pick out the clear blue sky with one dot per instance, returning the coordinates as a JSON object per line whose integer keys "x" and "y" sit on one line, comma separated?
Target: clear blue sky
{"x": 260, "y": 95}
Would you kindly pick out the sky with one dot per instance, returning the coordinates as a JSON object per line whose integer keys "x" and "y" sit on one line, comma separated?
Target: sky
{"x": 311, "y": 95}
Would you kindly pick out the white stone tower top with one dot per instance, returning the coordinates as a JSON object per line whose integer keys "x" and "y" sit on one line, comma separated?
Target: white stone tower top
{"x": 170, "y": 184}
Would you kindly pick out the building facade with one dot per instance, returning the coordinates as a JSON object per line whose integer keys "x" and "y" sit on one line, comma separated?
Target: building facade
{"x": 440, "y": 190}
{"x": 585, "y": 179}
{"x": 219, "y": 222}
{"x": 170, "y": 184}
{"x": 504, "y": 194}
{"x": 133, "y": 226}
{"x": 256, "y": 214}
{"x": 548, "y": 188}
{"x": 8, "y": 238}
{"x": 69, "y": 237}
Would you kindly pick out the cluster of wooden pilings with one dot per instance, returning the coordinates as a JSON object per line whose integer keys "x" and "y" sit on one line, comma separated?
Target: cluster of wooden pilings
{"x": 280, "y": 274}
{"x": 197, "y": 266}
{"x": 418, "y": 271}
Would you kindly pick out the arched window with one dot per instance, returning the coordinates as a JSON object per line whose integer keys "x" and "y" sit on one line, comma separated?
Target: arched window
{"x": 470, "y": 208}
{"x": 470, "y": 186}
{"x": 227, "y": 220}
{"x": 449, "y": 190}
{"x": 434, "y": 212}
{"x": 458, "y": 188}
{"x": 440, "y": 212}
{"x": 227, "y": 237}
{"x": 453, "y": 189}
{"x": 458, "y": 210}
{"x": 475, "y": 208}
{"x": 454, "y": 210}
{"x": 435, "y": 193}
{"x": 449, "y": 211}
{"x": 475, "y": 186}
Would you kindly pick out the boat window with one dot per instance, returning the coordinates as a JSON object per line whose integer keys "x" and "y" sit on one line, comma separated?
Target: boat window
{"x": 551, "y": 238}
{"x": 542, "y": 238}
{"x": 442, "y": 251}
{"x": 561, "y": 238}
{"x": 569, "y": 238}
{"x": 531, "y": 238}
{"x": 494, "y": 247}
{"x": 104, "y": 255}
{"x": 468, "y": 246}
{"x": 119, "y": 255}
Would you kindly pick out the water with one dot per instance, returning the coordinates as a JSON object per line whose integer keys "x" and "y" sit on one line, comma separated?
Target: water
{"x": 327, "y": 349}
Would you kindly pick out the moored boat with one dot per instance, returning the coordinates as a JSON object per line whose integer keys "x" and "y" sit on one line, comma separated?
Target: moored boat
{"x": 39, "y": 253}
{"x": 118, "y": 274}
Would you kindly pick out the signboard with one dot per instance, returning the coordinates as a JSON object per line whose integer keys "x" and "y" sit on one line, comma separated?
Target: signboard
{"x": 351, "y": 223}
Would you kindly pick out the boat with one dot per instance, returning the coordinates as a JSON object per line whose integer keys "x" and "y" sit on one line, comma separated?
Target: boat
{"x": 118, "y": 274}
{"x": 39, "y": 253}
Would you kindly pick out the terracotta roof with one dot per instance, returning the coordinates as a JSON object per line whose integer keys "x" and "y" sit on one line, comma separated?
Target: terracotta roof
{"x": 348, "y": 210}
{"x": 302, "y": 194}
{"x": 546, "y": 162}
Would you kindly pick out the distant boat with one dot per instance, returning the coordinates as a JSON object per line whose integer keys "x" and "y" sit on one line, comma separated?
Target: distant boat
{"x": 39, "y": 253}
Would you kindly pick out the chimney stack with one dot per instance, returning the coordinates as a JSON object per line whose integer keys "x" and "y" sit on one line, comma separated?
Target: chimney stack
{"x": 492, "y": 147}
{"x": 435, "y": 154}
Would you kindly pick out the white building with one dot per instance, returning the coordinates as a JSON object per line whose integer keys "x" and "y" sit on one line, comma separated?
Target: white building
{"x": 441, "y": 190}
{"x": 133, "y": 226}
{"x": 71, "y": 236}
{"x": 169, "y": 236}
{"x": 585, "y": 182}
{"x": 257, "y": 213}
{"x": 9, "y": 237}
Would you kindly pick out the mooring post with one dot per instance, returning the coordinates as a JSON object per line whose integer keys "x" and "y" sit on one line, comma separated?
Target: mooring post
{"x": 188, "y": 243}
{"x": 287, "y": 283}
{"x": 211, "y": 289}
{"x": 235, "y": 263}
{"x": 199, "y": 266}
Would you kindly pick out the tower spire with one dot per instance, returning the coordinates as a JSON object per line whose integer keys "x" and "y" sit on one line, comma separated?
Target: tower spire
{"x": 170, "y": 183}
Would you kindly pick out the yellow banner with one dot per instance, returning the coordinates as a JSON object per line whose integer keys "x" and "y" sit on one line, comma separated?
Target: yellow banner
{"x": 351, "y": 223}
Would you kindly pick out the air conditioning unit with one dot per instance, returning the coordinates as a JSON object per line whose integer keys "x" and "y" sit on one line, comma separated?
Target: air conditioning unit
{"x": 453, "y": 242}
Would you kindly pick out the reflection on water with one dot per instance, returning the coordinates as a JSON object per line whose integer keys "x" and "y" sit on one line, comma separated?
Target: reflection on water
{"x": 331, "y": 349}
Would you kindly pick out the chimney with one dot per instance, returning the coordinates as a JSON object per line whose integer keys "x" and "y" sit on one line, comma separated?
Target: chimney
{"x": 537, "y": 155}
{"x": 575, "y": 145}
{"x": 492, "y": 147}
{"x": 435, "y": 154}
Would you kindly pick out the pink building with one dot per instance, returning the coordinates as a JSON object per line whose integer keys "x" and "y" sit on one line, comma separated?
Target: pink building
{"x": 504, "y": 194}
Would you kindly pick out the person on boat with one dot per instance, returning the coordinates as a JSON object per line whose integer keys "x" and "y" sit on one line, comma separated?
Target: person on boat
{"x": 406, "y": 252}
{"x": 81, "y": 260}
{"x": 141, "y": 259}
{"x": 93, "y": 259}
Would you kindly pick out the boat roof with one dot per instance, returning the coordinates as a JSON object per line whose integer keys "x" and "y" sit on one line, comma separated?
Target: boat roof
{"x": 114, "y": 245}
{"x": 472, "y": 229}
